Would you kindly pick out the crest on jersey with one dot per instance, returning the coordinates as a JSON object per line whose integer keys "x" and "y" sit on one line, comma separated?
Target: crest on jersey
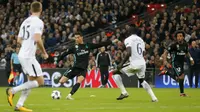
{"x": 177, "y": 46}
{"x": 76, "y": 46}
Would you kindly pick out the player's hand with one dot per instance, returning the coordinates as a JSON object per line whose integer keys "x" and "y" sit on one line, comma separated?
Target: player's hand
{"x": 45, "y": 56}
{"x": 192, "y": 62}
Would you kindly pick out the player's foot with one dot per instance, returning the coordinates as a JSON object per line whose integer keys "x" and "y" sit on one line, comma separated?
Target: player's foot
{"x": 9, "y": 96}
{"x": 155, "y": 100}
{"x": 69, "y": 97}
{"x": 122, "y": 96}
{"x": 22, "y": 109}
{"x": 183, "y": 95}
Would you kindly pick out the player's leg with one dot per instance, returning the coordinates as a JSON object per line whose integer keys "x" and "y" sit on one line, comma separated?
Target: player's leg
{"x": 119, "y": 82}
{"x": 80, "y": 78}
{"x": 145, "y": 85}
{"x": 32, "y": 67}
{"x": 178, "y": 69}
{"x": 67, "y": 75}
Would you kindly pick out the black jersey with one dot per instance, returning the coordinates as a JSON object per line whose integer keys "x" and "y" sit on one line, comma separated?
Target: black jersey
{"x": 81, "y": 53}
{"x": 178, "y": 52}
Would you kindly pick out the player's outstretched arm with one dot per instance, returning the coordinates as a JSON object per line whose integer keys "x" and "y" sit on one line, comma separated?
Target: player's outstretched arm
{"x": 128, "y": 50}
{"x": 69, "y": 51}
{"x": 101, "y": 44}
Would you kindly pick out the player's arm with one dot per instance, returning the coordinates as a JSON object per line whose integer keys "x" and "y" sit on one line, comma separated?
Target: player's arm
{"x": 38, "y": 38}
{"x": 101, "y": 44}
{"x": 19, "y": 39}
{"x": 128, "y": 50}
{"x": 64, "y": 54}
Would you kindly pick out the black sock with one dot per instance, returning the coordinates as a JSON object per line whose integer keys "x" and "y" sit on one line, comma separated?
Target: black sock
{"x": 75, "y": 88}
{"x": 171, "y": 75}
{"x": 181, "y": 86}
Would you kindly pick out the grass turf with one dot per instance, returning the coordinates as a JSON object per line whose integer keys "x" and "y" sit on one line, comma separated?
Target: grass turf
{"x": 105, "y": 101}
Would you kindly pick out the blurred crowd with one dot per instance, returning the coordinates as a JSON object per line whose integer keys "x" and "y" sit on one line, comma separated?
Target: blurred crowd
{"x": 63, "y": 18}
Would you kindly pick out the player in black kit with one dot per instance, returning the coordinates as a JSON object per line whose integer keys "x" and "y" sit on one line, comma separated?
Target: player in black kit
{"x": 81, "y": 53}
{"x": 178, "y": 51}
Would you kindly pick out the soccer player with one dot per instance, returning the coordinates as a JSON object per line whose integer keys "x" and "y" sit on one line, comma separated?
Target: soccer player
{"x": 29, "y": 37}
{"x": 81, "y": 53}
{"x": 178, "y": 51}
{"x": 135, "y": 48}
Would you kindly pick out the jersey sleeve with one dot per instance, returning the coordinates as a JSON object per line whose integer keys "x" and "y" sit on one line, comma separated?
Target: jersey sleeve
{"x": 101, "y": 44}
{"x": 39, "y": 27}
{"x": 128, "y": 43}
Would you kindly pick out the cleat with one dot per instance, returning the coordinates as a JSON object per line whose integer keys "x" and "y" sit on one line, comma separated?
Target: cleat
{"x": 23, "y": 109}
{"x": 69, "y": 97}
{"x": 9, "y": 96}
{"x": 156, "y": 100}
{"x": 122, "y": 96}
{"x": 183, "y": 95}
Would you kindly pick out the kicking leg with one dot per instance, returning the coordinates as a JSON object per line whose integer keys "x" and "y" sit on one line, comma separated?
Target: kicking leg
{"x": 124, "y": 93}
{"x": 147, "y": 87}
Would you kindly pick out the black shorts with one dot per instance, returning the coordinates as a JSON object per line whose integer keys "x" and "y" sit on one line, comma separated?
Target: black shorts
{"x": 72, "y": 72}
{"x": 178, "y": 68}
{"x": 17, "y": 68}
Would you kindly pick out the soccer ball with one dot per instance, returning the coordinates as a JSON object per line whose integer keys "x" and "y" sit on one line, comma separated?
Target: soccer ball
{"x": 56, "y": 94}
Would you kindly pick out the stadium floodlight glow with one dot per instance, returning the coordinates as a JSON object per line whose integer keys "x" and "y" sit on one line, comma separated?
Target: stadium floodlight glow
{"x": 153, "y": 9}
{"x": 162, "y": 5}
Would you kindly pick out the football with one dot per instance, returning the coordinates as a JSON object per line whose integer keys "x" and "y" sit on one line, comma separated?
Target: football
{"x": 56, "y": 94}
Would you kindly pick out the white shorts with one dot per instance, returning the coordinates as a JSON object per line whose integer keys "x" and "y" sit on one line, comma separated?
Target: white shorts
{"x": 31, "y": 66}
{"x": 134, "y": 70}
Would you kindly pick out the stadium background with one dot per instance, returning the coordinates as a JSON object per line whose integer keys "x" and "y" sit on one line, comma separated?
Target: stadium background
{"x": 100, "y": 20}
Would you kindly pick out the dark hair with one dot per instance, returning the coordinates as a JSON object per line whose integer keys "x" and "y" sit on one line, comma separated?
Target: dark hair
{"x": 179, "y": 31}
{"x": 36, "y": 6}
{"x": 132, "y": 30}
{"x": 78, "y": 33}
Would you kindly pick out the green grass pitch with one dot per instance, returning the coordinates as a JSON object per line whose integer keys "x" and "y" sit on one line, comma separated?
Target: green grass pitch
{"x": 105, "y": 101}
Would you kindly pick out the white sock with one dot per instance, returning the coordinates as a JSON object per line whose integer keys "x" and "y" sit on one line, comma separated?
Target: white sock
{"x": 120, "y": 84}
{"x": 26, "y": 85}
{"x": 149, "y": 90}
{"x": 23, "y": 98}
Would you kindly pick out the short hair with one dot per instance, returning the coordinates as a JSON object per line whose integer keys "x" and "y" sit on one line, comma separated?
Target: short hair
{"x": 36, "y": 7}
{"x": 179, "y": 31}
{"x": 132, "y": 30}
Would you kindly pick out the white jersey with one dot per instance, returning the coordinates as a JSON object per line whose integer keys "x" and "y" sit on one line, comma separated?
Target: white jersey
{"x": 28, "y": 28}
{"x": 137, "y": 48}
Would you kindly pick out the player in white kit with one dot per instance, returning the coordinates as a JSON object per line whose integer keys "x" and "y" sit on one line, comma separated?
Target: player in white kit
{"x": 29, "y": 37}
{"x": 135, "y": 48}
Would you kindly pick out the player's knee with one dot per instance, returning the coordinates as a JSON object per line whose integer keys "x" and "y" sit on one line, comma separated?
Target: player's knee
{"x": 80, "y": 79}
{"x": 141, "y": 80}
{"x": 116, "y": 76}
